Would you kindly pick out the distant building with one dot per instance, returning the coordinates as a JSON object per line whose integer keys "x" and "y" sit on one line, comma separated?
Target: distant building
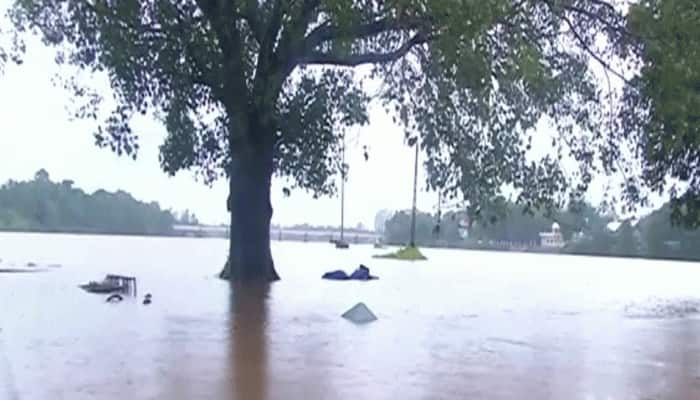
{"x": 463, "y": 228}
{"x": 380, "y": 220}
{"x": 552, "y": 239}
{"x": 673, "y": 244}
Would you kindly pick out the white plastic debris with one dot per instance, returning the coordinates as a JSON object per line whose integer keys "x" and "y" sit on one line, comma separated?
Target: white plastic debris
{"x": 359, "y": 314}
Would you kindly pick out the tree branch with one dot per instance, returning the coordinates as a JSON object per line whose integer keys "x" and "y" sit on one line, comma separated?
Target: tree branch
{"x": 326, "y": 32}
{"x": 590, "y": 51}
{"x": 234, "y": 87}
{"x": 266, "y": 54}
{"x": 143, "y": 29}
{"x": 604, "y": 4}
{"x": 292, "y": 41}
{"x": 212, "y": 9}
{"x": 320, "y": 58}
{"x": 619, "y": 29}
{"x": 273, "y": 27}
{"x": 250, "y": 15}
{"x": 582, "y": 41}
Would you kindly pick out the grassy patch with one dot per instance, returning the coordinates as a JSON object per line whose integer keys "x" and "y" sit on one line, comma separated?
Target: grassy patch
{"x": 405, "y": 254}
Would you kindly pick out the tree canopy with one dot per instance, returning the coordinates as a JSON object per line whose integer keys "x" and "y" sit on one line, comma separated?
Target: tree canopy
{"x": 472, "y": 78}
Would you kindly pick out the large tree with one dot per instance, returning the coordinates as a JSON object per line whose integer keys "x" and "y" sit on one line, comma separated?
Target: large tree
{"x": 249, "y": 89}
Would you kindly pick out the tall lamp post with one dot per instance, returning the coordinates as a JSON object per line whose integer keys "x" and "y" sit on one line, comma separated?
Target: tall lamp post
{"x": 342, "y": 191}
{"x": 342, "y": 244}
{"x": 415, "y": 187}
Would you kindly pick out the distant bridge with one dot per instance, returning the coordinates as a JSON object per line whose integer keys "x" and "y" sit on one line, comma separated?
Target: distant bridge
{"x": 282, "y": 234}
{"x": 201, "y": 230}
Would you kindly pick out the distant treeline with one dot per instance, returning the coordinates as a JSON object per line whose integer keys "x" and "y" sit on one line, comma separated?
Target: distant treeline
{"x": 585, "y": 229}
{"x": 46, "y": 206}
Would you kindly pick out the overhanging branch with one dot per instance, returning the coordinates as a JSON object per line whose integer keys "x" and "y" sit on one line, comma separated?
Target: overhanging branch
{"x": 590, "y": 51}
{"x": 327, "y": 32}
{"x": 250, "y": 15}
{"x": 582, "y": 41}
{"x": 352, "y": 60}
{"x": 604, "y": 4}
{"x": 621, "y": 29}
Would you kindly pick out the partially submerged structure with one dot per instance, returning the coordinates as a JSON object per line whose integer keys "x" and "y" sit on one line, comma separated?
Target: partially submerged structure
{"x": 359, "y": 314}
{"x": 112, "y": 284}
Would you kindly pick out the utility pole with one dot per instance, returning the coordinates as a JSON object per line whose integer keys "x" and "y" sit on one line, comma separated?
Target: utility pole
{"x": 342, "y": 190}
{"x": 439, "y": 215}
{"x": 415, "y": 187}
{"x": 342, "y": 244}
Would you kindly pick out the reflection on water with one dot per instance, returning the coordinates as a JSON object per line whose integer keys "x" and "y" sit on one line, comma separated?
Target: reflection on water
{"x": 462, "y": 325}
{"x": 248, "y": 342}
{"x": 237, "y": 359}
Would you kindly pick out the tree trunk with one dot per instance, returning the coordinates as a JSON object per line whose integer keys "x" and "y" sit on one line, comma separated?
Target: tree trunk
{"x": 250, "y": 258}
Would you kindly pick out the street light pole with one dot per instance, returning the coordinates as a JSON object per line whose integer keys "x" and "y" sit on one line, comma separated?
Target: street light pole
{"x": 415, "y": 186}
{"x": 342, "y": 191}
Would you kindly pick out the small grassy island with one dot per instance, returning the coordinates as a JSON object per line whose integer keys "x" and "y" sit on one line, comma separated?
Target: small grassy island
{"x": 410, "y": 253}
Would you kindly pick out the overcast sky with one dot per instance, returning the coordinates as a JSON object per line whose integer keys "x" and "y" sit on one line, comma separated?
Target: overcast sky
{"x": 35, "y": 132}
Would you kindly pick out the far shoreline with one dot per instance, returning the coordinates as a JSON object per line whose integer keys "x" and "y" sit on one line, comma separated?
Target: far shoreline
{"x": 87, "y": 232}
{"x": 551, "y": 252}
{"x": 22, "y": 270}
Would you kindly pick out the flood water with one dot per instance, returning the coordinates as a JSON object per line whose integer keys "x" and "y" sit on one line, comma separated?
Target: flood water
{"x": 463, "y": 325}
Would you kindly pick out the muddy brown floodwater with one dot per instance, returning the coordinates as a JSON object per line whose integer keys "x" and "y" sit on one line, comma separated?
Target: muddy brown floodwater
{"x": 462, "y": 325}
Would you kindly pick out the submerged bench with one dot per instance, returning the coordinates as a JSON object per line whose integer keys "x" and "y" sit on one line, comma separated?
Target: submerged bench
{"x": 112, "y": 284}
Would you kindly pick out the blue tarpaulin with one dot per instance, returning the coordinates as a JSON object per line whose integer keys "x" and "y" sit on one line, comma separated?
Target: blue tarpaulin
{"x": 360, "y": 274}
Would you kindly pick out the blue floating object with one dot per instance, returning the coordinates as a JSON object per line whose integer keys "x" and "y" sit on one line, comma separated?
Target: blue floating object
{"x": 337, "y": 275}
{"x": 360, "y": 274}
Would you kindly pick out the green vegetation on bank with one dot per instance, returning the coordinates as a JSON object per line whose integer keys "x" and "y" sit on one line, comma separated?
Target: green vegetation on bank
{"x": 43, "y": 205}
{"x": 408, "y": 253}
{"x": 585, "y": 230}
{"x": 653, "y": 236}
{"x": 506, "y": 223}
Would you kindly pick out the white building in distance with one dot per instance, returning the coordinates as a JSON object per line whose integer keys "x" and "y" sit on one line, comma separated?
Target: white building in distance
{"x": 552, "y": 239}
